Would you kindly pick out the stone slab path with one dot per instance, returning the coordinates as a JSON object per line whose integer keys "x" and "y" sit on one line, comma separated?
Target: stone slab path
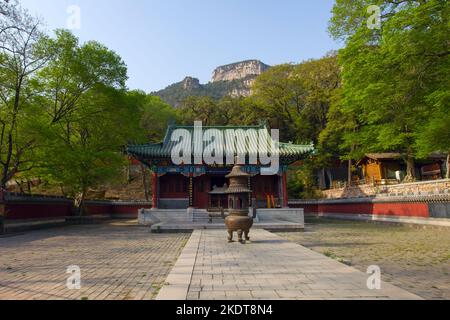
{"x": 268, "y": 268}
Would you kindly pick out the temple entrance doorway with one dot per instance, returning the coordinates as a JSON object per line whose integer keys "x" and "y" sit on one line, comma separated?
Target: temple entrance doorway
{"x": 218, "y": 181}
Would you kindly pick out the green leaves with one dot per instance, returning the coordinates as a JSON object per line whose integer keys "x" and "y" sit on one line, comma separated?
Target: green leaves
{"x": 65, "y": 114}
{"x": 74, "y": 70}
{"x": 297, "y": 98}
{"x": 156, "y": 116}
{"x": 390, "y": 76}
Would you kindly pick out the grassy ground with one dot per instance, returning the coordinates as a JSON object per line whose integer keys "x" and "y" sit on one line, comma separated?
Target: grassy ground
{"x": 415, "y": 259}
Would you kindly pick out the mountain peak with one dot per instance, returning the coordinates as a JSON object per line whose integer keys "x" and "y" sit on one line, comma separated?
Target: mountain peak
{"x": 235, "y": 80}
{"x": 239, "y": 70}
{"x": 190, "y": 83}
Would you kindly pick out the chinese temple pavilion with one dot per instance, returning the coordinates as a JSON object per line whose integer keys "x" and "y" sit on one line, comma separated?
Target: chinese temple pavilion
{"x": 180, "y": 186}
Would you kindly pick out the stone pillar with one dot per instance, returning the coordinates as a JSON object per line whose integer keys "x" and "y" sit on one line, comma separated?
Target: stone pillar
{"x": 154, "y": 190}
{"x": 285, "y": 190}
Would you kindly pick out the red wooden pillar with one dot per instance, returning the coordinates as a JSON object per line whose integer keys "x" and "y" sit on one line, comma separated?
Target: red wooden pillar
{"x": 285, "y": 191}
{"x": 154, "y": 190}
{"x": 191, "y": 190}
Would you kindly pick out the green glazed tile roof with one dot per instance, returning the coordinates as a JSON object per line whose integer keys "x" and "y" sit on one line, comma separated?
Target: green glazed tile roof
{"x": 163, "y": 150}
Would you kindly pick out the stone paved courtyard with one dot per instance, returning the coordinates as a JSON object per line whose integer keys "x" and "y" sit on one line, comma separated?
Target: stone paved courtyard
{"x": 121, "y": 260}
{"x": 413, "y": 258}
{"x": 118, "y": 261}
{"x": 267, "y": 268}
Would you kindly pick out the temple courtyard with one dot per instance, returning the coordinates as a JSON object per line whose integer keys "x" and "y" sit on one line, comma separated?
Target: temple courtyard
{"x": 329, "y": 260}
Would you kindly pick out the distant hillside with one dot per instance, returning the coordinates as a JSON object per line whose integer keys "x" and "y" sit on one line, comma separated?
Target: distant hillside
{"x": 230, "y": 80}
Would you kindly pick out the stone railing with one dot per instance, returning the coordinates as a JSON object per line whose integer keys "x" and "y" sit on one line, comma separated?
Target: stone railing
{"x": 425, "y": 188}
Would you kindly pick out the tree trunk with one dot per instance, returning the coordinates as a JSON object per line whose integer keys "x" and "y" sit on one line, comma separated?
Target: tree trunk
{"x": 410, "y": 168}
{"x": 19, "y": 184}
{"x": 447, "y": 175}
{"x": 128, "y": 173}
{"x": 80, "y": 202}
{"x": 63, "y": 192}
{"x": 5, "y": 180}
{"x": 6, "y": 174}
{"x": 350, "y": 165}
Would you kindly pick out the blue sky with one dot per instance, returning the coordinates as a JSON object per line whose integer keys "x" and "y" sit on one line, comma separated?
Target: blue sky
{"x": 162, "y": 41}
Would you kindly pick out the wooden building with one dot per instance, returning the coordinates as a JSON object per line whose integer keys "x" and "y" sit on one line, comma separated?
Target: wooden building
{"x": 199, "y": 186}
{"x": 378, "y": 167}
{"x": 385, "y": 168}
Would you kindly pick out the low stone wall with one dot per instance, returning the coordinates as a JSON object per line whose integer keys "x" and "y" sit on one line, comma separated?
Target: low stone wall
{"x": 439, "y": 187}
{"x": 293, "y": 215}
{"x": 148, "y": 217}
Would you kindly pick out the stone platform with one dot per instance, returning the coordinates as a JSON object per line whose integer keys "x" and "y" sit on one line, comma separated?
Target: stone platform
{"x": 167, "y": 221}
{"x": 268, "y": 268}
{"x": 189, "y": 227}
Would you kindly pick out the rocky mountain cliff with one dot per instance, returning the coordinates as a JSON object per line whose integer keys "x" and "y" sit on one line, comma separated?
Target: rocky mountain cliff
{"x": 239, "y": 70}
{"x": 233, "y": 80}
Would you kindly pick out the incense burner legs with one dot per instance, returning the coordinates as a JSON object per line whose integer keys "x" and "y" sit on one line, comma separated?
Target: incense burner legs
{"x": 239, "y": 224}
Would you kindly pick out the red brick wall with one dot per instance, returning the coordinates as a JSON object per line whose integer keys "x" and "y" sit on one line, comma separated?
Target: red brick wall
{"x": 309, "y": 208}
{"x": 37, "y": 210}
{"x": 97, "y": 209}
{"x": 23, "y": 208}
{"x": 114, "y": 208}
{"x": 401, "y": 209}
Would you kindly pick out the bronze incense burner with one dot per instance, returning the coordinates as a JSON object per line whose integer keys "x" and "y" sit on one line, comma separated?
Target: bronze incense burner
{"x": 238, "y": 192}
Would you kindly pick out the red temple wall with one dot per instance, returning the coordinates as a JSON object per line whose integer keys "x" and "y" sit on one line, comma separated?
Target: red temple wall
{"x": 265, "y": 185}
{"x": 29, "y": 208}
{"x": 173, "y": 187}
{"x": 399, "y": 209}
{"x": 37, "y": 210}
{"x": 176, "y": 186}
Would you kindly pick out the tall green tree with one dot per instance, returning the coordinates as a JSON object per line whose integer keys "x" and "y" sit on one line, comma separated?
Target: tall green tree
{"x": 87, "y": 117}
{"x": 391, "y": 74}
{"x": 74, "y": 70}
{"x": 85, "y": 150}
{"x": 22, "y": 53}
{"x": 233, "y": 111}
{"x": 156, "y": 115}
{"x": 198, "y": 109}
{"x": 297, "y": 97}
{"x": 435, "y": 135}
{"x": 277, "y": 99}
{"x": 321, "y": 81}
{"x": 223, "y": 112}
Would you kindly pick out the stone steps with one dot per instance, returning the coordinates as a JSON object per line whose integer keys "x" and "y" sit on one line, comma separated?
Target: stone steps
{"x": 200, "y": 216}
